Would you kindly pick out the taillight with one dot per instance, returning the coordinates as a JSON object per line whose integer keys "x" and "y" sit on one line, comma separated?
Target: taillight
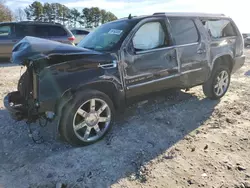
{"x": 71, "y": 39}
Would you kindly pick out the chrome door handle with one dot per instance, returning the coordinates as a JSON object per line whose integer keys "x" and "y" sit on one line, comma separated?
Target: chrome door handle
{"x": 201, "y": 51}
{"x": 108, "y": 65}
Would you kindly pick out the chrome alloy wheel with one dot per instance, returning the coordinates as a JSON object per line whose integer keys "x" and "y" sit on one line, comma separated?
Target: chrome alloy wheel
{"x": 221, "y": 84}
{"x": 92, "y": 120}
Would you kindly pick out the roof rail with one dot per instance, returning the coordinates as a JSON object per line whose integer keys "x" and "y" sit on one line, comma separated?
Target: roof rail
{"x": 189, "y": 14}
{"x": 159, "y": 13}
{"x": 39, "y": 22}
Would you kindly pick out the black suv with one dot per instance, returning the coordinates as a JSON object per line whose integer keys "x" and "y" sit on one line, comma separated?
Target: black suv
{"x": 85, "y": 85}
{"x": 13, "y": 32}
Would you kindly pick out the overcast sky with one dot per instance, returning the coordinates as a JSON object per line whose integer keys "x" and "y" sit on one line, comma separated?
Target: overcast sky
{"x": 237, "y": 9}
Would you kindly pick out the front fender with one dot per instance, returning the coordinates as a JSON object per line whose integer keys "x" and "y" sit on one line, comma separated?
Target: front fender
{"x": 65, "y": 79}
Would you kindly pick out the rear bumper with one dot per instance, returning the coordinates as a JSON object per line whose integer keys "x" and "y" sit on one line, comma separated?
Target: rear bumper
{"x": 238, "y": 63}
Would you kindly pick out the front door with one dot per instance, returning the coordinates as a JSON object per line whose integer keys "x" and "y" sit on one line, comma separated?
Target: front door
{"x": 149, "y": 59}
{"x": 192, "y": 50}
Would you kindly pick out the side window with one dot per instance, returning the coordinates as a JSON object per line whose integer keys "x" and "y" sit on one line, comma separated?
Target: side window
{"x": 85, "y": 32}
{"x": 73, "y": 32}
{"x": 25, "y": 30}
{"x": 57, "y": 31}
{"x": 5, "y": 30}
{"x": 82, "y": 32}
{"x": 184, "y": 31}
{"x": 219, "y": 28}
{"x": 42, "y": 31}
{"x": 149, "y": 36}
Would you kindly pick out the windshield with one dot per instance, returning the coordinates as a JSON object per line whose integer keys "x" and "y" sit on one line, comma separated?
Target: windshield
{"x": 106, "y": 37}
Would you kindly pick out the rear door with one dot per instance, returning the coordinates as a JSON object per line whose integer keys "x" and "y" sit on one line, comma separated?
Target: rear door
{"x": 6, "y": 40}
{"x": 192, "y": 50}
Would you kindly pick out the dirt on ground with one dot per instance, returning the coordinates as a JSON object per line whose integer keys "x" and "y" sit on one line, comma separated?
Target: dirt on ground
{"x": 172, "y": 140}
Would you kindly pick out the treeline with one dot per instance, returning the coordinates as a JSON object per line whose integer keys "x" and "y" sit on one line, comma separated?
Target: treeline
{"x": 56, "y": 12}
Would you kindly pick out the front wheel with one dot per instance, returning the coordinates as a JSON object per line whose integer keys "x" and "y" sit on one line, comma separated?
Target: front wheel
{"x": 217, "y": 85}
{"x": 87, "y": 118}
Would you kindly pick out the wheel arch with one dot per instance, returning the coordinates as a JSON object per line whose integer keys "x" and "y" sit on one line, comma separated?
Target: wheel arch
{"x": 112, "y": 90}
{"x": 223, "y": 59}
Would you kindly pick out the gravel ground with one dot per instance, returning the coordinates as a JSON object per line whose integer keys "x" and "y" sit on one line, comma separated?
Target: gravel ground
{"x": 178, "y": 140}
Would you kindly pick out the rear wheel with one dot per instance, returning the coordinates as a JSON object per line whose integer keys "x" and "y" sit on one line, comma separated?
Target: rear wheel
{"x": 87, "y": 118}
{"x": 217, "y": 85}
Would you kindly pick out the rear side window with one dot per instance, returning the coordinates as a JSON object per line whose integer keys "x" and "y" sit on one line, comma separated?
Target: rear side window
{"x": 42, "y": 31}
{"x": 25, "y": 30}
{"x": 81, "y": 32}
{"x": 219, "y": 28}
{"x": 5, "y": 30}
{"x": 31, "y": 30}
{"x": 184, "y": 31}
{"x": 57, "y": 31}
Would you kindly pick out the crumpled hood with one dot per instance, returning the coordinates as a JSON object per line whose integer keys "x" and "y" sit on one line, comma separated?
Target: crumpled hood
{"x": 33, "y": 48}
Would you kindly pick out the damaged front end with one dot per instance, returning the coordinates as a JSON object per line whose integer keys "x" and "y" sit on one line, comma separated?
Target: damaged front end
{"x": 23, "y": 103}
{"x": 36, "y": 95}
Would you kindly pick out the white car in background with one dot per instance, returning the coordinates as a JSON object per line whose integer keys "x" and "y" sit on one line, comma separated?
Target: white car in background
{"x": 79, "y": 34}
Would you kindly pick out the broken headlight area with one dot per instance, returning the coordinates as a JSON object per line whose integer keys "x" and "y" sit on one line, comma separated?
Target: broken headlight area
{"x": 23, "y": 104}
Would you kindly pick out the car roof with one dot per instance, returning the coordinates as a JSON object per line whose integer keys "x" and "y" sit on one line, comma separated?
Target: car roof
{"x": 33, "y": 23}
{"x": 190, "y": 14}
{"x": 175, "y": 14}
{"x": 81, "y": 29}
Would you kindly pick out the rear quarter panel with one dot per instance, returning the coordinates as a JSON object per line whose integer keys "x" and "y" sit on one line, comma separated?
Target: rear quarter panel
{"x": 226, "y": 46}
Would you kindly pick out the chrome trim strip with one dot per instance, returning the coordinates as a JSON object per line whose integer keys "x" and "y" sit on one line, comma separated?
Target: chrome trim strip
{"x": 161, "y": 79}
{"x": 152, "y": 81}
{"x": 166, "y": 48}
{"x": 108, "y": 66}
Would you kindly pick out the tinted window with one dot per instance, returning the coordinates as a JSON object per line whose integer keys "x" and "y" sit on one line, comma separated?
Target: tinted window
{"x": 184, "y": 31}
{"x": 39, "y": 30}
{"x": 25, "y": 30}
{"x": 5, "y": 30}
{"x": 42, "y": 30}
{"x": 57, "y": 31}
{"x": 149, "y": 36}
{"x": 31, "y": 30}
{"x": 81, "y": 32}
{"x": 219, "y": 28}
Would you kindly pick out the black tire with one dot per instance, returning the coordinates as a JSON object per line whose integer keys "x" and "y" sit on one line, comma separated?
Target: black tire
{"x": 209, "y": 85}
{"x": 66, "y": 121}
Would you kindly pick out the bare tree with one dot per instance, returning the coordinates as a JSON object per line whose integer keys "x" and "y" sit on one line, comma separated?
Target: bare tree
{"x": 5, "y": 13}
{"x": 20, "y": 15}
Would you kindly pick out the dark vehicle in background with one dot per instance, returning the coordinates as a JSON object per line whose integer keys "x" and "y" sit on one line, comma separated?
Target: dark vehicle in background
{"x": 85, "y": 86}
{"x": 79, "y": 34}
{"x": 246, "y": 37}
{"x": 12, "y": 32}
